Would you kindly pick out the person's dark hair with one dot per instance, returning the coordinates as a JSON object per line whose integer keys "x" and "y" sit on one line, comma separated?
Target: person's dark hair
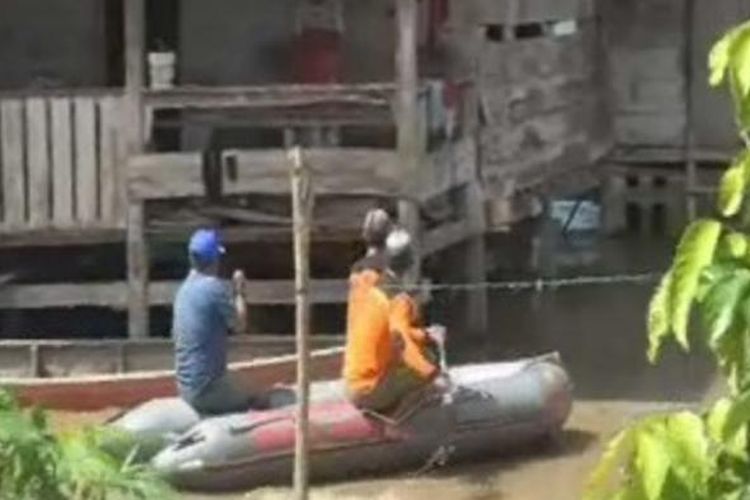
{"x": 376, "y": 227}
{"x": 399, "y": 251}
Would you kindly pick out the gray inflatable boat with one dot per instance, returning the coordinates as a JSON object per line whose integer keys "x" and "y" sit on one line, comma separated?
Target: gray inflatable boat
{"x": 490, "y": 408}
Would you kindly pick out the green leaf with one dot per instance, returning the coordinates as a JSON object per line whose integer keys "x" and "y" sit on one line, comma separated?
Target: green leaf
{"x": 731, "y": 353}
{"x": 736, "y": 245}
{"x": 740, "y": 60}
{"x": 718, "y": 59}
{"x": 659, "y": 317}
{"x": 722, "y": 305}
{"x": 652, "y": 463}
{"x": 722, "y": 56}
{"x": 716, "y": 425}
{"x": 605, "y": 475}
{"x": 731, "y": 191}
{"x": 694, "y": 253}
{"x": 711, "y": 275}
{"x": 737, "y": 416}
{"x": 689, "y": 448}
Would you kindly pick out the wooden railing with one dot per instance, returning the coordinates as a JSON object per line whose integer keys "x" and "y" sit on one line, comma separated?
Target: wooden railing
{"x": 59, "y": 158}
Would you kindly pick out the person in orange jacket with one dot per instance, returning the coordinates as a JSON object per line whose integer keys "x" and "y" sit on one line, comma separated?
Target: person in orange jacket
{"x": 387, "y": 352}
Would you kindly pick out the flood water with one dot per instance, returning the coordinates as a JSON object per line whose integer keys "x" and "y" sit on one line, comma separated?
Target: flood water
{"x": 599, "y": 330}
{"x": 600, "y": 333}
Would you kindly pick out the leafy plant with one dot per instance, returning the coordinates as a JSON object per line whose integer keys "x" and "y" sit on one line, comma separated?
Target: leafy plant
{"x": 37, "y": 464}
{"x": 685, "y": 455}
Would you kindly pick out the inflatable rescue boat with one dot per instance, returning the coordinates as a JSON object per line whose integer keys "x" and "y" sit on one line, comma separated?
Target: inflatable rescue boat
{"x": 488, "y": 409}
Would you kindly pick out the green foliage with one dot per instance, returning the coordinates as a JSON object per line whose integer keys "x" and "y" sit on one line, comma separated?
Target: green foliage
{"x": 660, "y": 457}
{"x": 37, "y": 464}
{"x": 728, "y": 63}
{"x": 694, "y": 253}
{"x": 685, "y": 455}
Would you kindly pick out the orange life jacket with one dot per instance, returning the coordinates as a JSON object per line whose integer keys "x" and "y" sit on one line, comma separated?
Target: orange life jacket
{"x": 370, "y": 346}
{"x": 382, "y": 331}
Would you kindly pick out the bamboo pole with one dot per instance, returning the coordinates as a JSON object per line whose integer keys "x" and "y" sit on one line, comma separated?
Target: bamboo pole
{"x": 302, "y": 204}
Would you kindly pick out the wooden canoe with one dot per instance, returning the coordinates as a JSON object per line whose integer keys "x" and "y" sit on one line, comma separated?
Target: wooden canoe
{"x": 92, "y": 392}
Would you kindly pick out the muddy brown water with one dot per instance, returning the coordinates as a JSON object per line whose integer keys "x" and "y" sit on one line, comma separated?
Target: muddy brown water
{"x": 599, "y": 332}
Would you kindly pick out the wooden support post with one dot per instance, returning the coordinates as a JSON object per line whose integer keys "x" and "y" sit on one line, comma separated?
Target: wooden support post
{"x": 613, "y": 201}
{"x": 410, "y": 144}
{"x": 137, "y": 248}
{"x": 691, "y": 174}
{"x": 302, "y": 207}
{"x": 35, "y": 362}
{"x": 476, "y": 304}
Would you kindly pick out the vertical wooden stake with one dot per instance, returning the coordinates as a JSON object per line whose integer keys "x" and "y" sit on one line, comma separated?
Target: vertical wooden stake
{"x": 137, "y": 246}
{"x": 476, "y": 266}
{"x": 302, "y": 205}
{"x": 411, "y": 138}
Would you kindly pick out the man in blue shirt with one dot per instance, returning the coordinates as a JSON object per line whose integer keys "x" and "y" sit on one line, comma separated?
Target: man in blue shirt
{"x": 205, "y": 310}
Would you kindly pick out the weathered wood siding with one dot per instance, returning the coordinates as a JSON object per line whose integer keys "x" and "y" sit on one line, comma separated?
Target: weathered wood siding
{"x": 645, "y": 60}
{"x": 539, "y": 79}
{"x": 646, "y": 44}
{"x": 59, "y": 159}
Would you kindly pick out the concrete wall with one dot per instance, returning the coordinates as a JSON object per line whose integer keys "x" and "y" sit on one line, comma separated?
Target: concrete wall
{"x": 232, "y": 42}
{"x": 60, "y": 42}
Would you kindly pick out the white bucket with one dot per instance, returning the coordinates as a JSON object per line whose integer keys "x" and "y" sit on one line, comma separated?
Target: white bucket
{"x": 161, "y": 69}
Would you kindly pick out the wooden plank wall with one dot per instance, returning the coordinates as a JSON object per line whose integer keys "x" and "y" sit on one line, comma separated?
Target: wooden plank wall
{"x": 539, "y": 74}
{"x": 644, "y": 41}
{"x": 59, "y": 161}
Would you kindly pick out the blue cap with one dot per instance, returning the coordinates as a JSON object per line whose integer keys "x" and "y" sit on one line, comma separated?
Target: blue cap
{"x": 205, "y": 245}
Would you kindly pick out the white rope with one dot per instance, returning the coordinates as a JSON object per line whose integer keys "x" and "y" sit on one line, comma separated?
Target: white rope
{"x": 540, "y": 284}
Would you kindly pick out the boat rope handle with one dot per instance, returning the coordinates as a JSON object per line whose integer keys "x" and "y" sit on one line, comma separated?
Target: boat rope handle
{"x": 539, "y": 284}
{"x": 439, "y": 458}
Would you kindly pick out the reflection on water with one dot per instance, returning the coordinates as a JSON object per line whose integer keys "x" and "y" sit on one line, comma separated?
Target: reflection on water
{"x": 599, "y": 330}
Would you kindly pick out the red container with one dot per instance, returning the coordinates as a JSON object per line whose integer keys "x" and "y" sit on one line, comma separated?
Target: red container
{"x": 317, "y": 57}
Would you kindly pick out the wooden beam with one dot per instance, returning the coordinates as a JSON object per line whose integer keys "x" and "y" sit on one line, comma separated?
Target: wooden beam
{"x": 137, "y": 245}
{"x": 114, "y": 294}
{"x": 642, "y": 153}
{"x": 350, "y": 171}
{"x": 165, "y": 175}
{"x": 410, "y": 137}
{"x": 272, "y": 96}
{"x": 329, "y": 115}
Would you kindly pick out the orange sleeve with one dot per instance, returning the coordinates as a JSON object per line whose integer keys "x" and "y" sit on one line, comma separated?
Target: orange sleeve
{"x": 402, "y": 319}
